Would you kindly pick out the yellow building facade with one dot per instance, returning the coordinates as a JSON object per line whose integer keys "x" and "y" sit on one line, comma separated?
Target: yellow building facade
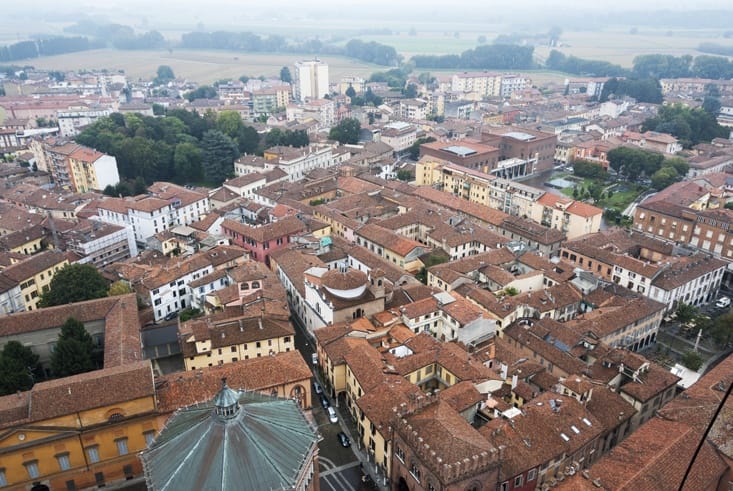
{"x": 80, "y": 445}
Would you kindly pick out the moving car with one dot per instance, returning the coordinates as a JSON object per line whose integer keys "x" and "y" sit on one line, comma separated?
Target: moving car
{"x": 332, "y": 417}
{"x": 722, "y": 302}
{"x": 324, "y": 402}
{"x": 343, "y": 439}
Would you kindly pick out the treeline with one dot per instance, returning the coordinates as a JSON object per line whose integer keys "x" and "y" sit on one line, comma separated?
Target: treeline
{"x": 689, "y": 126}
{"x": 716, "y": 49}
{"x": 372, "y": 52}
{"x": 643, "y": 90}
{"x": 45, "y": 47}
{"x": 579, "y": 66}
{"x": 118, "y": 35}
{"x": 182, "y": 146}
{"x": 493, "y": 56}
{"x": 668, "y": 66}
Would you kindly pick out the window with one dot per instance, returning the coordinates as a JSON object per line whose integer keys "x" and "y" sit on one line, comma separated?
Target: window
{"x": 99, "y": 478}
{"x": 234, "y": 349}
{"x": 149, "y": 437}
{"x": 70, "y": 485}
{"x": 93, "y": 454}
{"x": 415, "y": 472}
{"x": 531, "y": 475}
{"x": 518, "y": 481}
{"x": 31, "y": 468}
{"x": 3, "y": 479}
{"x": 400, "y": 454}
{"x": 63, "y": 460}
{"x": 121, "y": 446}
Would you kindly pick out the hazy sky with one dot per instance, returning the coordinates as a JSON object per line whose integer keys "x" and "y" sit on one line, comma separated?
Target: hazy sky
{"x": 170, "y": 15}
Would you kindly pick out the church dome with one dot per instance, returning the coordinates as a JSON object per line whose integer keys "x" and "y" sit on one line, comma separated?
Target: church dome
{"x": 344, "y": 282}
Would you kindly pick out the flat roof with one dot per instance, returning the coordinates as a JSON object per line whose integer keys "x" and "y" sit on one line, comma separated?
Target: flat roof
{"x": 460, "y": 150}
{"x": 520, "y": 135}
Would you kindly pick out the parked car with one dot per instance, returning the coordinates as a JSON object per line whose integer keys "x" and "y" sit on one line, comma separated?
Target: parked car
{"x": 722, "y": 302}
{"x": 324, "y": 402}
{"x": 343, "y": 439}
{"x": 314, "y": 358}
{"x": 317, "y": 388}
{"x": 332, "y": 416}
{"x": 171, "y": 316}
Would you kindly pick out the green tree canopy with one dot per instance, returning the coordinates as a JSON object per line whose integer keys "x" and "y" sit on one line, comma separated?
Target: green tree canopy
{"x": 691, "y": 360}
{"x": 219, "y": 153}
{"x": 285, "y": 75}
{"x": 164, "y": 75}
{"x": 74, "y": 350}
{"x": 347, "y": 131}
{"x": 19, "y": 366}
{"x": 75, "y": 283}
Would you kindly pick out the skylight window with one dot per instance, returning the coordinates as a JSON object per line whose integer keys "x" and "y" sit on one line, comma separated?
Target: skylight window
{"x": 588, "y": 423}
{"x": 575, "y": 429}
{"x": 564, "y": 437}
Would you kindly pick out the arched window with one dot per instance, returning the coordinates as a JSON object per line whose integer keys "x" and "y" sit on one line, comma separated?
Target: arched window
{"x": 255, "y": 284}
{"x": 243, "y": 286}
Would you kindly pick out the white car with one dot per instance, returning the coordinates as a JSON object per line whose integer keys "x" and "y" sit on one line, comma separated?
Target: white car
{"x": 332, "y": 415}
{"x": 722, "y": 302}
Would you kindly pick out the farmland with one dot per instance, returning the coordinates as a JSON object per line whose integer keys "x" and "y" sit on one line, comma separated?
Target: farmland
{"x": 200, "y": 66}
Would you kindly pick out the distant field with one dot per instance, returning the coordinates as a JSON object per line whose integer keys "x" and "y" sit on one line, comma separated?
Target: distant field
{"x": 199, "y": 66}
{"x": 621, "y": 47}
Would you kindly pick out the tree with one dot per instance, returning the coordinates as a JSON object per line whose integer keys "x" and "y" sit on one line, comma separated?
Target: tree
{"x": 685, "y": 312}
{"x": 404, "y": 175}
{"x": 414, "y": 150}
{"x": 74, "y": 351}
{"x": 75, "y": 283}
{"x": 230, "y": 123}
{"x": 219, "y": 153}
{"x": 664, "y": 177}
{"x": 729, "y": 205}
{"x": 711, "y": 105}
{"x": 187, "y": 160}
{"x": 164, "y": 75}
{"x": 347, "y": 131}
{"x": 119, "y": 288}
{"x": 350, "y": 92}
{"x": 19, "y": 366}
{"x": 410, "y": 91}
{"x": 691, "y": 360}
{"x": 285, "y": 75}
{"x": 721, "y": 329}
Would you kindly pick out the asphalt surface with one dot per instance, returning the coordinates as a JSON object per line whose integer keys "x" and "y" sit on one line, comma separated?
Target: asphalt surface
{"x": 340, "y": 468}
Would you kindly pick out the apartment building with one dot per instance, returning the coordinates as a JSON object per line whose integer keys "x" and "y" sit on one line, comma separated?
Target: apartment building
{"x": 99, "y": 243}
{"x": 648, "y": 266}
{"x": 269, "y": 100}
{"x": 146, "y": 215}
{"x": 262, "y": 240}
{"x": 91, "y": 170}
{"x": 73, "y": 119}
{"x": 34, "y": 275}
{"x": 572, "y": 217}
{"x": 212, "y": 342}
{"x": 414, "y": 109}
{"x": 477, "y": 85}
{"x": 399, "y": 135}
{"x": 386, "y": 244}
{"x": 311, "y": 80}
{"x": 297, "y": 162}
